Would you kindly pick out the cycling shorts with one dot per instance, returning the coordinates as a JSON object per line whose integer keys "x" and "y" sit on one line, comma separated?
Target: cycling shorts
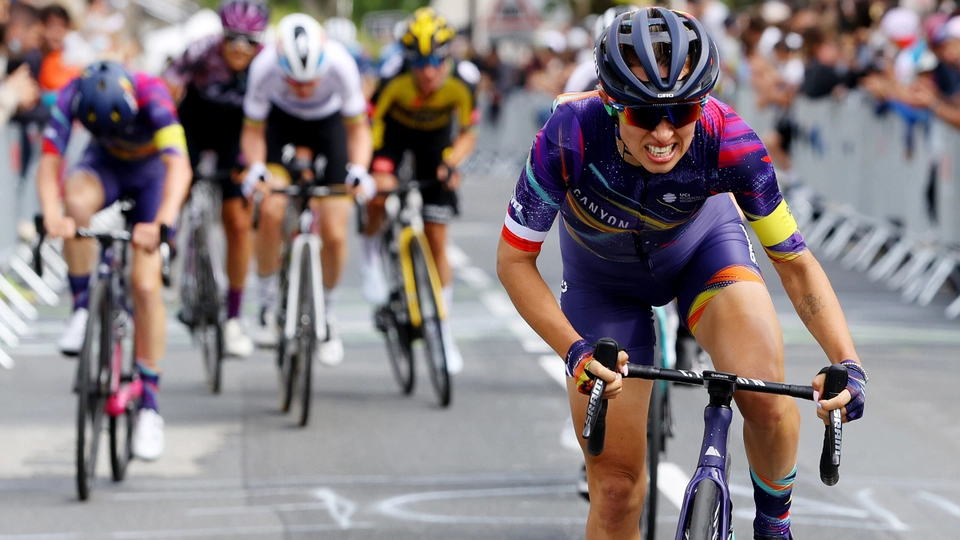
{"x": 325, "y": 137}
{"x": 703, "y": 261}
{"x": 141, "y": 180}
{"x": 440, "y": 205}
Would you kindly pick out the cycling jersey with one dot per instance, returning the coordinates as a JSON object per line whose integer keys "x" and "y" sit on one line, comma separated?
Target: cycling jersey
{"x": 398, "y": 99}
{"x": 614, "y": 211}
{"x": 203, "y": 67}
{"x": 339, "y": 89}
{"x": 155, "y": 130}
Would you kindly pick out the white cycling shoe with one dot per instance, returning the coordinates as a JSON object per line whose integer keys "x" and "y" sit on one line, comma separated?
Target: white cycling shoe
{"x": 330, "y": 352}
{"x": 265, "y": 333}
{"x": 71, "y": 341}
{"x": 148, "y": 436}
{"x": 451, "y": 351}
{"x": 374, "y": 282}
{"x": 235, "y": 340}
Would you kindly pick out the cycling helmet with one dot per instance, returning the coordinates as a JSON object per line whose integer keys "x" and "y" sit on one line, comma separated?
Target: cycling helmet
{"x": 244, "y": 17}
{"x": 341, "y": 29}
{"x": 427, "y": 34}
{"x": 105, "y": 102}
{"x": 608, "y": 16}
{"x": 300, "y": 45}
{"x": 636, "y": 33}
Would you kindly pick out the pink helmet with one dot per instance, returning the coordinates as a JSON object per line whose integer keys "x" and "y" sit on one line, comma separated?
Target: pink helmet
{"x": 245, "y": 17}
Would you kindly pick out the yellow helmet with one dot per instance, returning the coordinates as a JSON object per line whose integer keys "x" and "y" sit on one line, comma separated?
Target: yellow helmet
{"x": 427, "y": 34}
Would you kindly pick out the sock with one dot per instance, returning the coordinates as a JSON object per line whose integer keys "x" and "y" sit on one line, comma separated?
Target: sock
{"x": 448, "y": 298}
{"x": 151, "y": 384}
{"x": 371, "y": 250}
{"x": 327, "y": 300}
{"x": 234, "y": 299}
{"x": 772, "y": 498}
{"x": 267, "y": 290}
{"x": 80, "y": 287}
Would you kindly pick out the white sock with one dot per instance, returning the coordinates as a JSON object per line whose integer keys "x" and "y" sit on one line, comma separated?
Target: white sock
{"x": 371, "y": 250}
{"x": 448, "y": 298}
{"x": 267, "y": 290}
{"x": 327, "y": 300}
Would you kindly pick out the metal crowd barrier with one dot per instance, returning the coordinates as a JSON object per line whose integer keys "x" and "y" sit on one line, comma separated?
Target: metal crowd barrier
{"x": 865, "y": 198}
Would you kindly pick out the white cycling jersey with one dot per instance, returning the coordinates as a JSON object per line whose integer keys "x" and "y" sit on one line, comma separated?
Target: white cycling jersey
{"x": 339, "y": 89}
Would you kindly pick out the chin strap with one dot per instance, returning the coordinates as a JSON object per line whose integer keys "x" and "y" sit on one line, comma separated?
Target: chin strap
{"x": 624, "y": 151}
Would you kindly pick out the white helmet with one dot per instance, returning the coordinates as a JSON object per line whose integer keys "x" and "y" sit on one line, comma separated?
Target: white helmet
{"x": 606, "y": 19}
{"x": 341, "y": 29}
{"x": 301, "y": 42}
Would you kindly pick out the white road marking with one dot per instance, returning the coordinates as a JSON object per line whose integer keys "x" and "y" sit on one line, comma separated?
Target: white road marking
{"x": 261, "y": 509}
{"x": 340, "y": 508}
{"x": 672, "y": 482}
{"x": 41, "y": 536}
{"x": 865, "y": 498}
{"x": 226, "y": 531}
{"x": 394, "y": 507}
{"x": 554, "y": 367}
{"x": 944, "y": 504}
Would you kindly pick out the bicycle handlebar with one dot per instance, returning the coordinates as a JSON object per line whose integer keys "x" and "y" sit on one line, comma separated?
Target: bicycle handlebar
{"x": 594, "y": 427}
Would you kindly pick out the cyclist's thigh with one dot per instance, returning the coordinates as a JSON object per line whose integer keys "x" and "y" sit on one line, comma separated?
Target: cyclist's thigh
{"x": 92, "y": 184}
{"x": 597, "y": 313}
{"x": 440, "y": 204}
{"x": 724, "y": 257}
{"x": 143, "y": 181}
{"x": 334, "y": 213}
{"x": 626, "y": 420}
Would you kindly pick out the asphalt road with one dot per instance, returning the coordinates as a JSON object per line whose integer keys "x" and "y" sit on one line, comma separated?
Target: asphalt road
{"x": 498, "y": 463}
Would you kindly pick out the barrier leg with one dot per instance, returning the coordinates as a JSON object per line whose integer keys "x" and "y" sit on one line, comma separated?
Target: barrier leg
{"x": 941, "y": 271}
{"x": 840, "y": 238}
{"x": 862, "y": 256}
{"x": 919, "y": 261}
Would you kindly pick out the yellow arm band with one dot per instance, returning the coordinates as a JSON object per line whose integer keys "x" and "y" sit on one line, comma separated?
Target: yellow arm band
{"x": 776, "y": 227}
{"x": 171, "y": 137}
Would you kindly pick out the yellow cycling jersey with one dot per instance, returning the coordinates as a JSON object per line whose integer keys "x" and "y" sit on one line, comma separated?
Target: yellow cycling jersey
{"x": 398, "y": 99}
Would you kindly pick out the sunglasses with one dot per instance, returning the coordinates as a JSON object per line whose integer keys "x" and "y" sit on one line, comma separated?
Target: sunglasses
{"x": 241, "y": 42}
{"x": 648, "y": 117}
{"x": 420, "y": 62}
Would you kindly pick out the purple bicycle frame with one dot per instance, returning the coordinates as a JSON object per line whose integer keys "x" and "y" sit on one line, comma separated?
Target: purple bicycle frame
{"x": 712, "y": 467}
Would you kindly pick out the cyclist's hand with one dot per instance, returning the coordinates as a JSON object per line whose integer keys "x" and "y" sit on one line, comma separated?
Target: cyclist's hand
{"x": 851, "y": 400}
{"x": 146, "y": 236}
{"x": 359, "y": 182}
{"x": 252, "y": 178}
{"x": 449, "y": 176}
{"x": 583, "y": 369}
{"x": 59, "y": 226}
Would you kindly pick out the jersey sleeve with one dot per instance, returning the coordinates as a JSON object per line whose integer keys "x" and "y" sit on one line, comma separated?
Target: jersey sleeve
{"x": 181, "y": 70}
{"x": 467, "y": 108}
{"x": 747, "y": 171}
{"x": 553, "y": 164}
{"x": 57, "y": 133}
{"x": 256, "y": 102}
{"x": 382, "y": 100}
{"x": 354, "y": 103}
{"x": 155, "y": 100}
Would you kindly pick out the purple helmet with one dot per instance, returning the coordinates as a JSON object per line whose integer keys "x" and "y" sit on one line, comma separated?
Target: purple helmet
{"x": 244, "y": 17}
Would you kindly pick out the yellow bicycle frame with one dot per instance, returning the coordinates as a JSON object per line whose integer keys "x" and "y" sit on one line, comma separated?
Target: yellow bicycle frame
{"x": 409, "y": 284}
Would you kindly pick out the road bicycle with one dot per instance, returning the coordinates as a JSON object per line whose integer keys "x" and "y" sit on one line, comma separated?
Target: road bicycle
{"x": 415, "y": 308}
{"x": 301, "y": 314}
{"x": 705, "y": 513}
{"x": 106, "y": 384}
{"x": 203, "y": 281}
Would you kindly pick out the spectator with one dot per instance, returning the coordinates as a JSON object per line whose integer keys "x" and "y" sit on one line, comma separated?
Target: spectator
{"x": 822, "y": 74}
{"x": 941, "y": 92}
{"x": 54, "y": 72}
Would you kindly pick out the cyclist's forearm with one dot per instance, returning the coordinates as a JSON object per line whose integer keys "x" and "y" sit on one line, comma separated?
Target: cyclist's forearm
{"x": 175, "y": 188}
{"x": 253, "y": 141}
{"x": 359, "y": 141}
{"x": 48, "y": 189}
{"x": 533, "y": 299}
{"x": 461, "y": 148}
{"x": 817, "y": 305}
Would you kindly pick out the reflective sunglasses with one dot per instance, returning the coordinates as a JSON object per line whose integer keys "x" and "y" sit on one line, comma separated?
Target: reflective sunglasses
{"x": 648, "y": 116}
{"x": 420, "y": 62}
{"x": 241, "y": 42}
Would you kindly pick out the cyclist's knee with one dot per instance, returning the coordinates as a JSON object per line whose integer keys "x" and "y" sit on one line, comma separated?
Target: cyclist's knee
{"x": 333, "y": 234}
{"x": 617, "y": 495}
{"x": 765, "y": 412}
{"x": 83, "y": 197}
{"x": 236, "y": 224}
{"x": 145, "y": 289}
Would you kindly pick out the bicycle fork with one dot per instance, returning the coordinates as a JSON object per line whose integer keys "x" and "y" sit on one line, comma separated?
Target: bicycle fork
{"x": 712, "y": 465}
{"x": 310, "y": 243}
{"x": 407, "y": 236}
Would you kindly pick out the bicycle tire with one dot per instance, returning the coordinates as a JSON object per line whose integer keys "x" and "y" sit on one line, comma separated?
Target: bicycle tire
{"x": 399, "y": 348}
{"x": 208, "y": 327}
{"x": 121, "y": 441}
{"x": 705, "y": 514}
{"x": 654, "y": 448}
{"x": 93, "y": 372}
{"x": 307, "y": 338}
{"x": 430, "y": 330}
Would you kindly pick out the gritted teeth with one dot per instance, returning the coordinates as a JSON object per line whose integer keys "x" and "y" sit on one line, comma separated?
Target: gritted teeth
{"x": 660, "y": 151}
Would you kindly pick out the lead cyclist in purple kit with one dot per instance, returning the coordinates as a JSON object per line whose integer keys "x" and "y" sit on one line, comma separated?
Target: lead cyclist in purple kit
{"x": 210, "y": 81}
{"x": 631, "y": 168}
{"x": 137, "y": 150}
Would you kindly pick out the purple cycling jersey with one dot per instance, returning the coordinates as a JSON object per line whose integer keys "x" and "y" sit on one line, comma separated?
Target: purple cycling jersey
{"x": 614, "y": 212}
{"x": 204, "y": 67}
{"x": 155, "y": 130}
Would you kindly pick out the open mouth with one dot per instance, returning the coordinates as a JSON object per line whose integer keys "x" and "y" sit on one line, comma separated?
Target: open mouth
{"x": 660, "y": 154}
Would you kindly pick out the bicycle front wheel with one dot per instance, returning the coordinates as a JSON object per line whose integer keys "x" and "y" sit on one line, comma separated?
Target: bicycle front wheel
{"x": 208, "y": 328}
{"x": 306, "y": 338}
{"x": 430, "y": 329}
{"x": 399, "y": 347}
{"x": 705, "y": 515}
{"x": 93, "y": 378}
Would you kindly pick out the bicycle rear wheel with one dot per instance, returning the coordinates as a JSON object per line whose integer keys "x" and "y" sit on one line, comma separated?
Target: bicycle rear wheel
{"x": 93, "y": 377}
{"x": 430, "y": 323}
{"x": 306, "y": 338}
{"x": 399, "y": 347}
{"x": 655, "y": 436}
{"x": 705, "y": 516}
{"x": 208, "y": 328}
{"x": 121, "y": 441}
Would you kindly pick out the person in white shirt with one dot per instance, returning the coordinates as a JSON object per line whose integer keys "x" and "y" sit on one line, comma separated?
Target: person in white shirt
{"x": 305, "y": 91}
